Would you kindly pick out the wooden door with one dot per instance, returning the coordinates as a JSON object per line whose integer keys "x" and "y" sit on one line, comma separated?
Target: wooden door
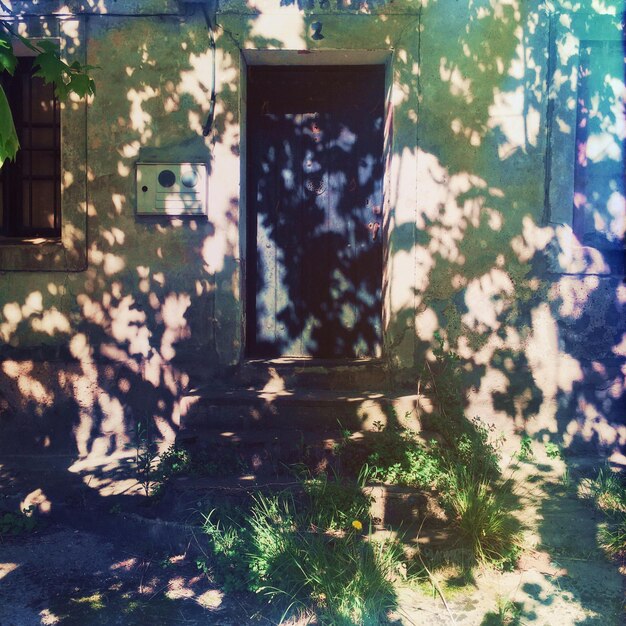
{"x": 315, "y": 171}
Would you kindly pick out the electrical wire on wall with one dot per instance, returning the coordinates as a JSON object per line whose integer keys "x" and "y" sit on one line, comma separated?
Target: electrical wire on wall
{"x": 206, "y": 129}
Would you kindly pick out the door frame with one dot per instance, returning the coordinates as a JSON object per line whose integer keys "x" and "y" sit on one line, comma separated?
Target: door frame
{"x": 250, "y": 57}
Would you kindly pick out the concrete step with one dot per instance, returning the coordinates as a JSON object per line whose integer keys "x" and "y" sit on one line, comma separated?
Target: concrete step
{"x": 415, "y": 513}
{"x": 273, "y": 413}
{"x": 260, "y": 452}
{"x": 309, "y": 373}
{"x": 238, "y": 409}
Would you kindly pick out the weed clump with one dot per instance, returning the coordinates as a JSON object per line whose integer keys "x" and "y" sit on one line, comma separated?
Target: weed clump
{"x": 306, "y": 551}
{"x": 459, "y": 462}
{"x": 173, "y": 462}
{"x": 337, "y": 502}
{"x": 468, "y": 443}
{"x": 608, "y": 490}
{"x": 396, "y": 456}
{"x": 482, "y": 515}
{"x": 154, "y": 470}
{"x": 22, "y": 522}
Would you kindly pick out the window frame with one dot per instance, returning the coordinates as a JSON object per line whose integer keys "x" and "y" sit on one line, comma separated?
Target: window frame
{"x": 569, "y": 33}
{"x": 66, "y": 251}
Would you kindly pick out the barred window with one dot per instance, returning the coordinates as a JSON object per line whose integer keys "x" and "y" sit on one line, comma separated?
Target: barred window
{"x": 30, "y": 187}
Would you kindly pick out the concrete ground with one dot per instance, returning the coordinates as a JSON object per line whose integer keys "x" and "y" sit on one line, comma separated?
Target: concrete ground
{"x": 99, "y": 560}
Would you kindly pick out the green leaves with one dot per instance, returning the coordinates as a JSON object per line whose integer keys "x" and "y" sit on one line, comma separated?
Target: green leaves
{"x": 67, "y": 79}
{"x": 80, "y": 83}
{"x": 48, "y": 64}
{"x": 9, "y": 143}
{"x": 8, "y": 62}
{"x": 51, "y": 68}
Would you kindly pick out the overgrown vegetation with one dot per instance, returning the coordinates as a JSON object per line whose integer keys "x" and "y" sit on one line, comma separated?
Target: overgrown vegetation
{"x": 468, "y": 443}
{"x": 396, "y": 456}
{"x": 305, "y": 550}
{"x": 459, "y": 462}
{"x": 608, "y": 490}
{"x": 18, "y": 523}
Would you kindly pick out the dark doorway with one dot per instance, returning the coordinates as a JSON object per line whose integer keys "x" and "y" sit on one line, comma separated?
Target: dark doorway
{"x": 315, "y": 173}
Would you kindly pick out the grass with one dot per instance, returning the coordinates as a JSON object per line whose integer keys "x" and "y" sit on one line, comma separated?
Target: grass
{"x": 507, "y": 613}
{"x": 483, "y": 519}
{"x": 459, "y": 464}
{"x": 305, "y": 550}
{"x": 338, "y": 502}
{"x": 613, "y": 536}
{"x": 344, "y": 577}
{"x": 608, "y": 490}
{"x": 463, "y": 474}
{"x": 297, "y": 551}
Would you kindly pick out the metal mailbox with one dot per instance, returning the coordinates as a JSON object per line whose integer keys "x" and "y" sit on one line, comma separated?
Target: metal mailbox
{"x": 171, "y": 189}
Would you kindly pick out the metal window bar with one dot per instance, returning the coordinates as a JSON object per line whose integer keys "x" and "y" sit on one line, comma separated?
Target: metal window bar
{"x": 29, "y": 110}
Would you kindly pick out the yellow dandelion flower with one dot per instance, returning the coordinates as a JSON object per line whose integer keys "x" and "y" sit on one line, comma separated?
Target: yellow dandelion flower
{"x": 357, "y": 525}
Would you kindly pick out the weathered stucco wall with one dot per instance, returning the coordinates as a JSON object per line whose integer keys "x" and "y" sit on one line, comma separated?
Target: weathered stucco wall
{"x": 478, "y": 204}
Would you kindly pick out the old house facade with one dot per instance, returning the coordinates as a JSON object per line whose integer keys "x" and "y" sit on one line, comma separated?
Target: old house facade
{"x": 373, "y": 173}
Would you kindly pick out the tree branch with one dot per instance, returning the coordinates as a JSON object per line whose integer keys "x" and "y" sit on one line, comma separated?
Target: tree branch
{"x": 6, "y": 8}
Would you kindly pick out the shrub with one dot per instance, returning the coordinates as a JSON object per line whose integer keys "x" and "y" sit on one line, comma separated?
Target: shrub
{"x": 397, "y": 457}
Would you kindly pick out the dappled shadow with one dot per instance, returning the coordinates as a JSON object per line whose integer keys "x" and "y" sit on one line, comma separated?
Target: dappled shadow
{"x": 79, "y": 576}
{"x": 487, "y": 272}
{"x": 564, "y": 539}
{"x": 316, "y": 140}
{"x": 479, "y": 239}
{"x": 137, "y": 329}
